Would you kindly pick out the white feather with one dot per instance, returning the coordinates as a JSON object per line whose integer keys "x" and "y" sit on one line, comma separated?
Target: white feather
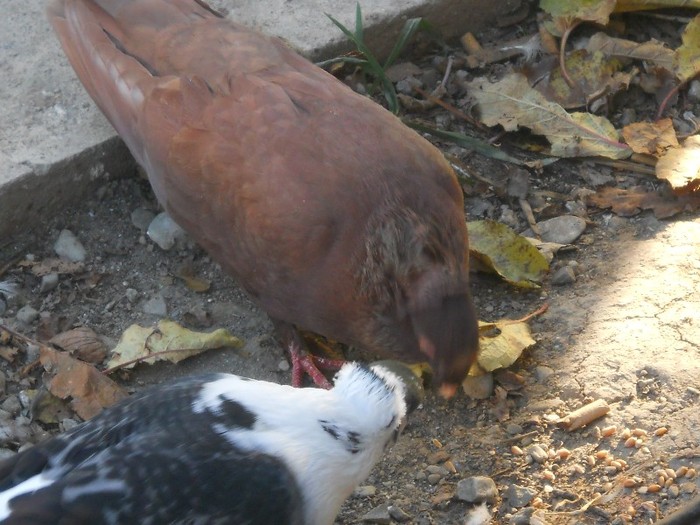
{"x": 479, "y": 515}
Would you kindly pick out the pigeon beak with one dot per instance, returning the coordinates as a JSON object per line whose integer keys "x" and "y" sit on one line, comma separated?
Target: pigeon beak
{"x": 448, "y": 390}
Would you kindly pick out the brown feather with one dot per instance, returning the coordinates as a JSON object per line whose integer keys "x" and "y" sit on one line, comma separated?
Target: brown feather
{"x": 331, "y": 213}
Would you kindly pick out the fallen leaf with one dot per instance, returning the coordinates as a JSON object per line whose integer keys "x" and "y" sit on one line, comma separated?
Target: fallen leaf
{"x": 85, "y": 388}
{"x": 167, "y": 342}
{"x": 681, "y": 166}
{"x": 629, "y": 202}
{"x": 650, "y": 51}
{"x": 83, "y": 343}
{"x": 687, "y": 59}
{"x": 504, "y": 347}
{"x": 548, "y": 249}
{"x": 652, "y": 138}
{"x": 49, "y": 408}
{"x": 625, "y": 6}
{"x": 508, "y": 254}
{"x": 592, "y": 74}
{"x": 194, "y": 283}
{"x": 512, "y": 103}
{"x": 566, "y": 13}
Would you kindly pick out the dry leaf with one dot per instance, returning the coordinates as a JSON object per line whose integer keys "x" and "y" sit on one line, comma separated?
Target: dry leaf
{"x": 512, "y": 103}
{"x": 687, "y": 62}
{"x": 8, "y": 353}
{"x": 629, "y": 202}
{"x": 681, "y": 166}
{"x": 508, "y": 254}
{"x": 167, "y": 342}
{"x": 505, "y": 346}
{"x": 592, "y": 73}
{"x": 566, "y": 13}
{"x": 652, "y": 138}
{"x": 86, "y": 389}
{"x": 651, "y": 51}
{"x": 83, "y": 343}
{"x": 626, "y": 6}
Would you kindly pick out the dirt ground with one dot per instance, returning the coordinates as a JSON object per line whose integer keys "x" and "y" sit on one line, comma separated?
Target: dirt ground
{"x": 626, "y": 331}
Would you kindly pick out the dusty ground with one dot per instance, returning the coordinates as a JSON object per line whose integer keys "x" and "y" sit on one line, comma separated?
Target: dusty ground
{"x": 627, "y": 331}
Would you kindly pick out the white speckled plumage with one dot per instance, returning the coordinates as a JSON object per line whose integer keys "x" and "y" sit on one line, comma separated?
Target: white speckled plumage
{"x": 211, "y": 449}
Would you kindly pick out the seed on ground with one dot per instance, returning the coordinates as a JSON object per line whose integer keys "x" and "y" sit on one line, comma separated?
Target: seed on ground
{"x": 660, "y": 431}
{"x": 608, "y": 431}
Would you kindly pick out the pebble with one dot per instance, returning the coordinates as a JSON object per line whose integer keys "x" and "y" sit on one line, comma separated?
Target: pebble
{"x": 68, "y": 247}
{"x": 141, "y": 218}
{"x": 514, "y": 429}
{"x": 519, "y": 496}
{"x": 538, "y": 453}
{"x": 3, "y": 382}
{"x": 48, "y": 282}
{"x": 164, "y": 231}
{"x": 283, "y": 365}
{"x": 3, "y": 305}
{"x": 11, "y": 405}
{"x": 478, "y": 387}
{"x": 378, "y": 514}
{"x": 131, "y": 295}
{"x": 155, "y": 306}
{"x": 563, "y": 276}
{"x": 27, "y": 314}
{"x": 688, "y": 487}
{"x": 398, "y": 514}
{"x": 365, "y": 491}
{"x": 68, "y": 424}
{"x": 563, "y": 230}
{"x": 542, "y": 373}
{"x": 522, "y": 517}
{"x": 476, "y": 489}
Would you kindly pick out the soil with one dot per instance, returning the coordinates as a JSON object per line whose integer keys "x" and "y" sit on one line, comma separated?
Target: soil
{"x": 626, "y": 331}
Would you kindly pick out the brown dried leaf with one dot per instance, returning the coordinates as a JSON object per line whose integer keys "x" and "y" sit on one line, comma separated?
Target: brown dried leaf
{"x": 87, "y": 390}
{"x": 651, "y": 51}
{"x": 653, "y": 138}
{"x": 629, "y": 202}
{"x": 83, "y": 343}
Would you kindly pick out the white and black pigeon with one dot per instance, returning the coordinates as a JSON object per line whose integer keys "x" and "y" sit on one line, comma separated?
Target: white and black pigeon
{"x": 214, "y": 449}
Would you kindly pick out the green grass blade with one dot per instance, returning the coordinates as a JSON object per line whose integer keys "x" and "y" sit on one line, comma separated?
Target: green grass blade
{"x": 359, "y": 30}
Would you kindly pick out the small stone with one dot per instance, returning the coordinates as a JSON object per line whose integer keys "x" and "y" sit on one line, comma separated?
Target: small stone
{"x": 522, "y": 517}
{"x": 283, "y": 365}
{"x": 141, "y": 218}
{"x": 519, "y": 496}
{"x": 48, "y": 282}
{"x": 378, "y": 514}
{"x": 365, "y": 491}
{"x": 3, "y": 382}
{"x": 688, "y": 487}
{"x": 6, "y": 453}
{"x": 68, "y": 424}
{"x": 32, "y": 352}
{"x": 514, "y": 429}
{"x": 542, "y": 373}
{"x": 398, "y": 514}
{"x": 538, "y": 453}
{"x": 478, "y": 387}
{"x": 131, "y": 295}
{"x": 563, "y": 276}
{"x": 68, "y": 247}
{"x": 11, "y": 405}
{"x": 673, "y": 491}
{"x": 439, "y": 456}
{"x": 164, "y": 231}
{"x": 476, "y": 489}
{"x": 155, "y": 306}
{"x": 434, "y": 479}
{"x": 27, "y": 314}
{"x": 3, "y": 305}
{"x": 563, "y": 230}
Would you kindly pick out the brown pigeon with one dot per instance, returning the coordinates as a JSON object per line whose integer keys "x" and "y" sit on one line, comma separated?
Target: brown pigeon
{"x": 329, "y": 212}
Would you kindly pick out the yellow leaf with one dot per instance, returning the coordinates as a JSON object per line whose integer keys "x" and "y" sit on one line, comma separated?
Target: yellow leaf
{"x": 502, "y": 349}
{"x": 512, "y": 103}
{"x": 168, "y": 341}
{"x": 508, "y": 254}
{"x": 653, "y": 138}
{"x": 687, "y": 61}
{"x": 681, "y": 166}
{"x": 566, "y": 13}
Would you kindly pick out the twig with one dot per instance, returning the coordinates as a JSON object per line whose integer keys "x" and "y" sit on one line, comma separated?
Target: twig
{"x": 517, "y": 438}
{"x": 449, "y": 107}
{"x": 527, "y": 210}
{"x": 562, "y": 53}
{"x": 542, "y": 309}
